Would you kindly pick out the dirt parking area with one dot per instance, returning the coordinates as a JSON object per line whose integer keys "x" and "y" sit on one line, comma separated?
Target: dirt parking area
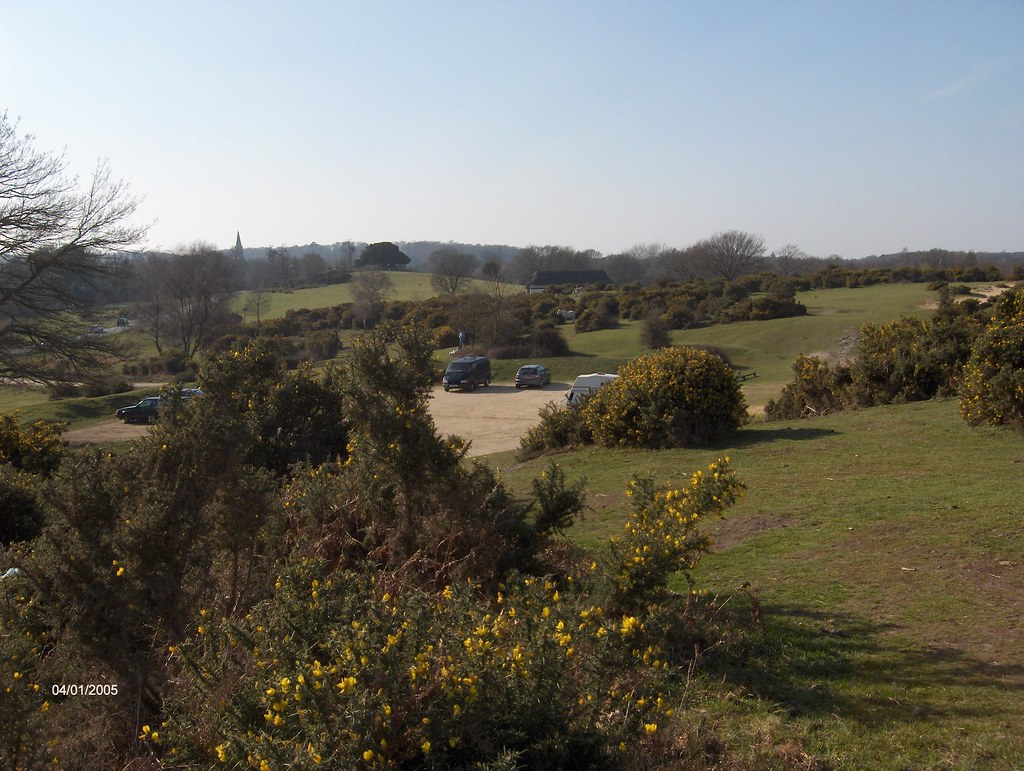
{"x": 491, "y": 418}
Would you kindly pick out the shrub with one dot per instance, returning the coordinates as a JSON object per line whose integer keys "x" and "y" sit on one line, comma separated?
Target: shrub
{"x": 559, "y": 427}
{"x": 593, "y": 319}
{"x": 992, "y": 383}
{"x": 673, "y": 397}
{"x": 909, "y": 359}
{"x": 445, "y": 337}
{"x": 547, "y": 342}
{"x": 323, "y": 344}
{"x": 558, "y": 503}
{"x": 818, "y": 389}
{"x": 359, "y": 669}
{"x": 654, "y": 332}
{"x": 37, "y": 450}
{"x": 107, "y": 386}
{"x": 664, "y": 534}
{"x": 21, "y": 516}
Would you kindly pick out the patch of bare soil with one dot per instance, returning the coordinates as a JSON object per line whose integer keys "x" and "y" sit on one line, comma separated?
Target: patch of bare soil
{"x": 732, "y": 531}
{"x": 491, "y": 418}
{"x": 980, "y": 293}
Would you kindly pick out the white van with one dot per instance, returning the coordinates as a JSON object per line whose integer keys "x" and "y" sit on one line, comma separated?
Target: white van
{"x": 584, "y": 385}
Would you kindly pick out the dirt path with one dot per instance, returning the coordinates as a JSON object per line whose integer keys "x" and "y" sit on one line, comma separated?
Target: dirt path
{"x": 492, "y": 418}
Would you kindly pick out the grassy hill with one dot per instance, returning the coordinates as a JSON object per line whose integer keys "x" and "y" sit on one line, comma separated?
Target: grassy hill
{"x": 885, "y": 549}
{"x": 407, "y": 286}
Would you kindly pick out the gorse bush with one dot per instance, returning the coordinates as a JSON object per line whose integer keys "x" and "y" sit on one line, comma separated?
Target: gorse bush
{"x": 992, "y": 384}
{"x": 25, "y": 455}
{"x": 909, "y": 359}
{"x": 348, "y": 592}
{"x": 664, "y": 533}
{"x": 673, "y": 397}
{"x": 559, "y": 426}
{"x": 905, "y": 360}
{"x": 818, "y": 389}
{"x": 37, "y": 450}
{"x": 359, "y": 669}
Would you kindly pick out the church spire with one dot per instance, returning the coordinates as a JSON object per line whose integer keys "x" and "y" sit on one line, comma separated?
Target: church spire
{"x": 238, "y": 245}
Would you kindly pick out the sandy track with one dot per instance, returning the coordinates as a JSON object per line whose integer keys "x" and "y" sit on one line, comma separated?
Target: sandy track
{"x": 491, "y": 418}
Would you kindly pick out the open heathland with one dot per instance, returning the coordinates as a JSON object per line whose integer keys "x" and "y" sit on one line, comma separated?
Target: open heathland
{"x": 883, "y": 548}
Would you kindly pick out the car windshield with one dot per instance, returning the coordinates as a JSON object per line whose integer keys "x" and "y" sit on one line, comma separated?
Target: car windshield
{"x": 458, "y": 368}
{"x": 149, "y": 400}
{"x": 529, "y": 370}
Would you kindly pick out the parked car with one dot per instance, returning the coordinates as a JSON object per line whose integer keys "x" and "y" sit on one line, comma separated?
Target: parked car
{"x": 148, "y": 409}
{"x": 144, "y": 411}
{"x": 584, "y": 385}
{"x": 533, "y": 375}
{"x": 467, "y": 373}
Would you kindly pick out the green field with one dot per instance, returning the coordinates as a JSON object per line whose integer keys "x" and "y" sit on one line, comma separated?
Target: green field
{"x": 767, "y": 348}
{"x": 407, "y": 286}
{"x": 885, "y": 547}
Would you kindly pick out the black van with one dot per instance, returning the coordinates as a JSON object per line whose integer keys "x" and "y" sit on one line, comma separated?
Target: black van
{"x": 468, "y": 373}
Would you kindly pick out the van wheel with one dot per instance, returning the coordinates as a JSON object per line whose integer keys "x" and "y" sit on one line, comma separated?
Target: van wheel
{"x": 470, "y": 385}
{"x": 487, "y": 382}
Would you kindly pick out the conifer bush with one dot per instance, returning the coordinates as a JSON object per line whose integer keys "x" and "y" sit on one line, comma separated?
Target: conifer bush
{"x": 672, "y": 397}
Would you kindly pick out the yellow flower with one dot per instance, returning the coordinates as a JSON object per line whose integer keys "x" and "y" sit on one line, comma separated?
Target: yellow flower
{"x": 650, "y": 728}
{"x": 425, "y": 747}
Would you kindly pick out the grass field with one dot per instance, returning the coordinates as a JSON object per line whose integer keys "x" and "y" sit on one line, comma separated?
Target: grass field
{"x": 885, "y": 547}
{"x": 767, "y": 348}
{"x": 407, "y": 286}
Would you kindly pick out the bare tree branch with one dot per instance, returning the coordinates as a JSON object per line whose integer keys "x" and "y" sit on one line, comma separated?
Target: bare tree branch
{"x": 58, "y": 256}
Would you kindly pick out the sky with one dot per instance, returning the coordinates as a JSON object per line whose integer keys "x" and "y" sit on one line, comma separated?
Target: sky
{"x": 845, "y": 128}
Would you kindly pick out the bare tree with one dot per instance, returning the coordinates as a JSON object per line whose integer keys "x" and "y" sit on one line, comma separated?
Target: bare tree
{"x": 198, "y": 290}
{"x": 57, "y": 248}
{"x": 788, "y": 259}
{"x": 370, "y": 290}
{"x": 451, "y": 269}
{"x": 681, "y": 264}
{"x": 185, "y": 295}
{"x": 150, "y": 279}
{"x": 731, "y": 254}
{"x": 625, "y": 268}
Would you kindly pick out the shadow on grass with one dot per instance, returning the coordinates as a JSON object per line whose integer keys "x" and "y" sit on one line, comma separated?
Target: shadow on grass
{"x": 749, "y": 438}
{"x": 819, "y": 664}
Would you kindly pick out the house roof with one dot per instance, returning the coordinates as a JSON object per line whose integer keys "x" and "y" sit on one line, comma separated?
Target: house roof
{"x": 554, "y": 277}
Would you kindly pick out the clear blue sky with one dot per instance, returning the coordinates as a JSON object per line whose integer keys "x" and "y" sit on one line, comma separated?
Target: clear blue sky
{"x": 848, "y": 128}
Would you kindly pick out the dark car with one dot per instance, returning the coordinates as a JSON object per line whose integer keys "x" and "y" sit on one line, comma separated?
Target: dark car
{"x": 533, "y": 375}
{"x": 467, "y": 373}
{"x": 148, "y": 410}
{"x": 143, "y": 412}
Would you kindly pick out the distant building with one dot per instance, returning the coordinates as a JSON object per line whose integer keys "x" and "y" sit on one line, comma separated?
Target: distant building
{"x": 237, "y": 252}
{"x": 581, "y": 280}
